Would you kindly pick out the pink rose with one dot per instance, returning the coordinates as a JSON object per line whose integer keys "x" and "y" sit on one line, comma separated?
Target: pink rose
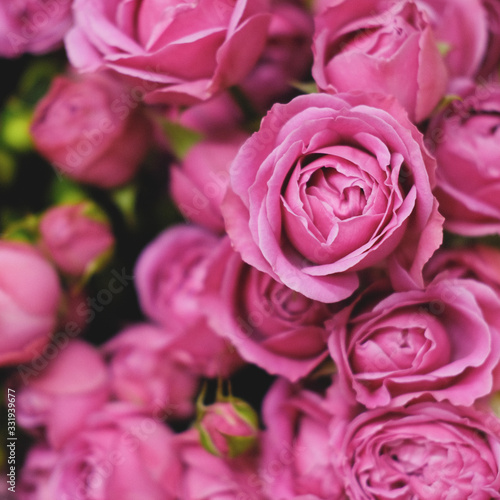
{"x": 375, "y": 46}
{"x": 144, "y": 371}
{"x": 176, "y": 52}
{"x": 198, "y": 184}
{"x": 35, "y": 474}
{"x": 119, "y": 453}
{"x": 207, "y": 477}
{"x": 297, "y": 451}
{"x": 442, "y": 343}
{"x": 461, "y": 28}
{"x": 92, "y": 129}
{"x": 74, "y": 238}
{"x": 479, "y": 262}
{"x": 171, "y": 281}
{"x": 287, "y": 56}
{"x": 492, "y": 58}
{"x": 464, "y": 138}
{"x": 29, "y": 299}
{"x": 60, "y": 397}
{"x": 269, "y": 324}
{"x": 34, "y": 26}
{"x": 331, "y": 185}
{"x": 427, "y": 450}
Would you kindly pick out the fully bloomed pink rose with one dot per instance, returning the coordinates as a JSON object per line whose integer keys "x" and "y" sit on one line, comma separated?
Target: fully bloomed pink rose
{"x": 61, "y": 396}
{"x": 120, "y": 452}
{"x": 30, "y": 293}
{"x": 92, "y": 129}
{"x": 464, "y": 139}
{"x": 34, "y": 26}
{"x": 331, "y": 185}
{"x": 74, "y": 238}
{"x": 176, "y": 51}
{"x": 198, "y": 184}
{"x": 144, "y": 371}
{"x": 377, "y": 46}
{"x": 269, "y": 324}
{"x": 442, "y": 343}
{"x": 427, "y": 450}
{"x": 171, "y": 280}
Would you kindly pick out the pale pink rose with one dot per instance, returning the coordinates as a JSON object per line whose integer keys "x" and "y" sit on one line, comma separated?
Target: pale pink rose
{"x": 119, "y": 453}
{"x": 92, "y": 129}
{"x": 59, "y": 398}
{"x": 198, "y": 183}
{"x": 479, "y": 262}
{"x": 441, "y": 343}
{"x": 426, "y": 450}
{"x": 171, "y": 280}
{"x": 143, "y": 371}
{"x": 379, "y": 46}
{"x": 331, "y": 185}
{"x": 270, "y": 325}
{"x": 30, "y": 293}
{"x": 287, "y": 56}
{"x": 177, "y": 52}
{"x": 208, "y": 477}
{"x": 34, "y": 26}
{"x": 297, "y": 456}
{"x": 461, "y": 29}
{"x": 464, "y": 139}
{"x": 74, "y": 238}
{"x": 35, "y": 473}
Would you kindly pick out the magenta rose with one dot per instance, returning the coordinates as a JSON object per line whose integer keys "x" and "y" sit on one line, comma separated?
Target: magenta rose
{"x": 269, "y": 324}
{"x": 92, "y": 129}
{"x": 144, "y": 371}
{"x": 374, "y": 46}
{"x": 297, "y": 445}
{"x": 171, "y": 280}
{"x": 119, "y": 453}
{"x": 178, "y": 52}
{"x": 427, "y": 450}
{"x": 60, "y": 397}
{"x": 331, "y": 185}
{"x": 207, "y": 477}
{"x": 34, "y": 26}
{"x": 198, "y": 184}
{"x": 74, "y": 237}
{"x": 464, "y": 139}
{"x": 30, "y": 294}
{"x": 442, "y": 343}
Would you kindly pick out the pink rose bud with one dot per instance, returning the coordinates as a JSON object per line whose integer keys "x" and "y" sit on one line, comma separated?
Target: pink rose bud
{"x": 176, "y": 52}
{"x": 77, "y": 237}
{"x": 60, "y": 397}
{"x": 391, "y": 51}
{"x": 199, "y": 184}
{"x": 92, "y": 128}
{"x": 145, "y": 372}
{"x": 29, "y": 299}
{"x": 34, "y": 26}
{"x": 227, "y": 428}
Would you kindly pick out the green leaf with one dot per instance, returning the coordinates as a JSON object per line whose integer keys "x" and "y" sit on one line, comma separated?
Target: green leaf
{"x": 181, "y": 139}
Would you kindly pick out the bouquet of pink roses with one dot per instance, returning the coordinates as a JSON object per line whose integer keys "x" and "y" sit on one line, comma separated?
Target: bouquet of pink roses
{"x": 250, "y": 249}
